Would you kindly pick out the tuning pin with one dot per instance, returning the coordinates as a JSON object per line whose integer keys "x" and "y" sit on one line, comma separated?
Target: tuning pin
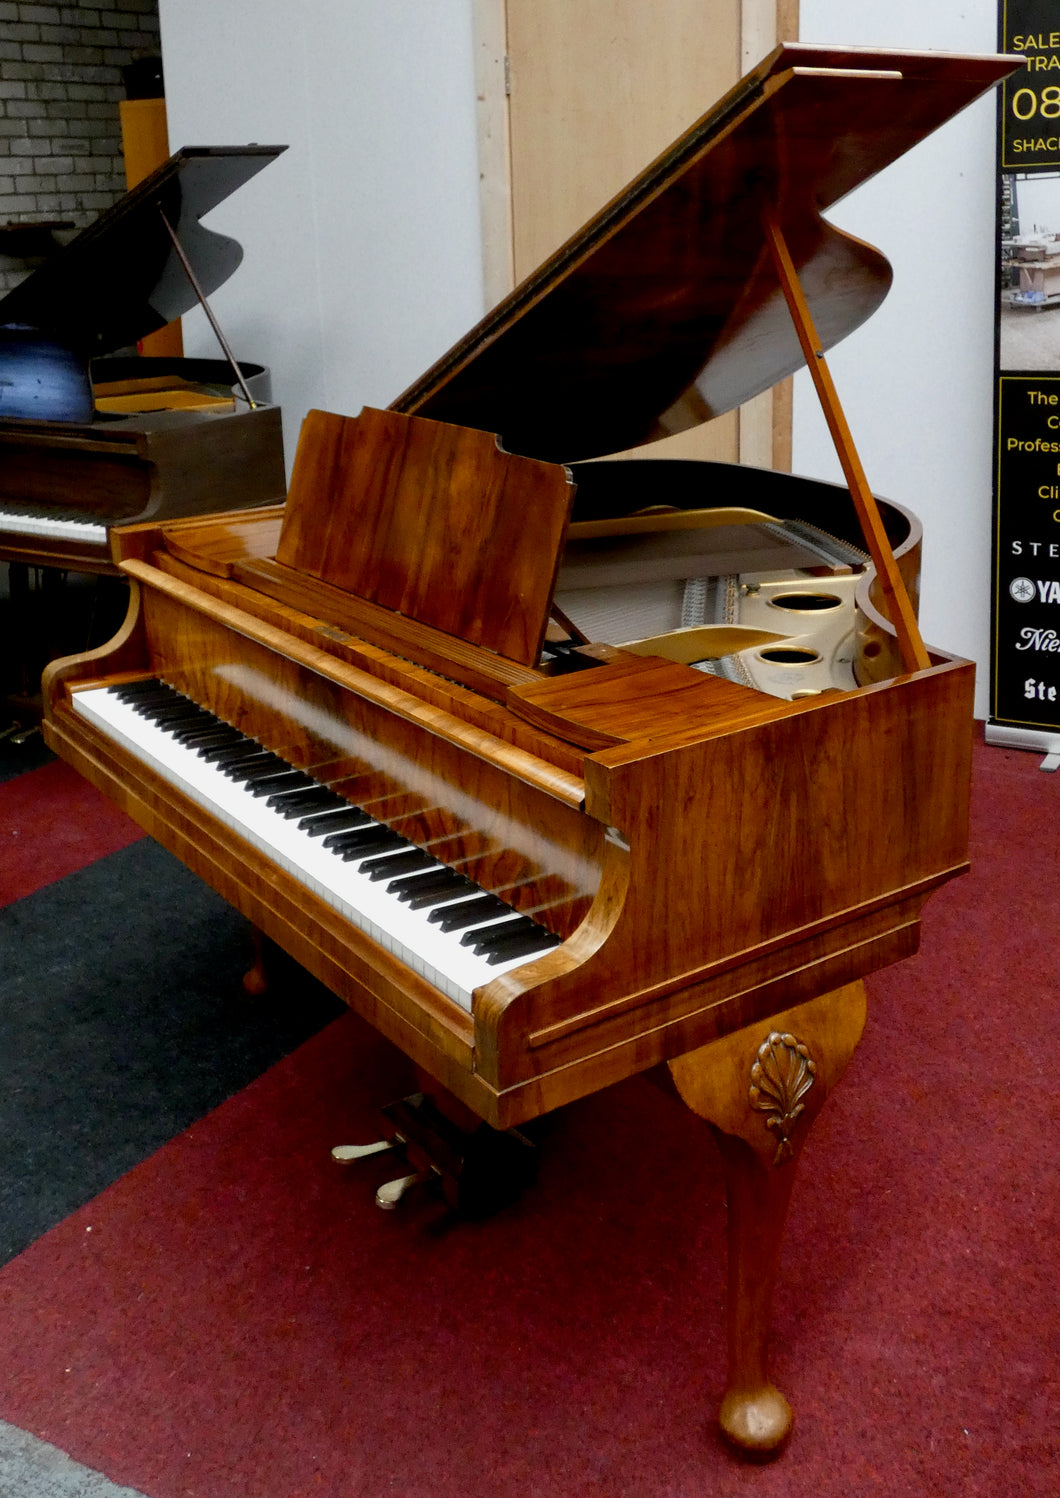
{"x": 392, "y": 1192}
{"x": 346, "y": 1154}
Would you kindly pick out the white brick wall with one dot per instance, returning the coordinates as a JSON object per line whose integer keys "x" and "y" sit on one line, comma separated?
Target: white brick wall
{"x": 60, "y": 83}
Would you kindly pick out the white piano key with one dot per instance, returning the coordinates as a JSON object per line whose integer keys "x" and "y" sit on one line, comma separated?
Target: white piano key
{"x": 438, "y": 956}
{"x": 63, "y": 529}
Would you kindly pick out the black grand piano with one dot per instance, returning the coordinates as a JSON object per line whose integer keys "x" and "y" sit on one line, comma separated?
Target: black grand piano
{"x": 92, "y": 436}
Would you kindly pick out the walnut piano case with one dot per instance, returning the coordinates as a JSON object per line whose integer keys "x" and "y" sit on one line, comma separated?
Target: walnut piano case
{"x": 625, "y": 859}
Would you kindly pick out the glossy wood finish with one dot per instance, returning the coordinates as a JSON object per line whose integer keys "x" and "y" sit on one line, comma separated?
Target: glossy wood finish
{"x": 412, "y": 515}
{"x": 802, "y": 838}
{"x": 222, "y": 541}
{"x": 835, "y": 838}
{"x": 758, "y": 1085}
{"x": 636, "y": 697}
{"x": 607, "y": 74}
{"x": 132, "y": 469}
{"x": 210, "y": 659}
{"x": 712, "y": 860}
{"x": 119, "y": 278}
{"x": 665, "y": 309}
{"x": 899, "y": 606}
{"x": 116, "y": 282}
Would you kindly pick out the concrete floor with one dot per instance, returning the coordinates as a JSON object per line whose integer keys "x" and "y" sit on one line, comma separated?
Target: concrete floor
{"x": 1030, "y": 339}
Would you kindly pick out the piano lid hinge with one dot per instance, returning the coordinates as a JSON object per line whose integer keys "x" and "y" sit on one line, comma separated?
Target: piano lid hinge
{"x": 507, "y": 76}
{"x": 613, "y": 835}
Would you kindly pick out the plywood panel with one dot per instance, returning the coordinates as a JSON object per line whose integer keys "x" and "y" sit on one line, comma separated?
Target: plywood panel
{"x": 597, "y": 90}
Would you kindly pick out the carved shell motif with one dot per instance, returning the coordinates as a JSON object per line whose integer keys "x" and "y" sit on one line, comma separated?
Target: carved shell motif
{"x": 780, "y": 1078}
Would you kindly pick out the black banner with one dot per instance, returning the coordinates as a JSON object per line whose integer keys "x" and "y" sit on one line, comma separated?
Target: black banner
{"x": 1025, "y": 674}
{"x": 1030, "y": 110}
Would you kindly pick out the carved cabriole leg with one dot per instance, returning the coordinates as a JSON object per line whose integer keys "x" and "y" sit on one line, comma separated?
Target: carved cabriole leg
{"x": 256, "y": 978}
{"x": 760, "y": 1089}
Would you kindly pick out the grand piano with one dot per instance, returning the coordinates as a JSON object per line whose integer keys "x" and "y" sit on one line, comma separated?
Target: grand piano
{"x": 91, "y": 438}
{"x": 391, "y": 723}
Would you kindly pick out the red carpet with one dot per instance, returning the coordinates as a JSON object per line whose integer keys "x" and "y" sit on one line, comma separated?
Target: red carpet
{"x": 52, "y": 823}
{"x": 234, "y": 1318}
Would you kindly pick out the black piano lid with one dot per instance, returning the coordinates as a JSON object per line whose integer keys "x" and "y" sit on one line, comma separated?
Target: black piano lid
{"x": 665, "y": 309}
{"x": 121, "y": 278}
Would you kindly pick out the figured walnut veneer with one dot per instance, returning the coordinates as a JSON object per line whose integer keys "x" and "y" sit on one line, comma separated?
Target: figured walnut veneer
{"x": 722, "y": 868}
{"x": 414, "y": 516}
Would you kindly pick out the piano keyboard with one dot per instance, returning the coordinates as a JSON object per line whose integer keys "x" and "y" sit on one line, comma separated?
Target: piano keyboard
{"x": 60, "y": 525}
{"x": 442, "y": 925}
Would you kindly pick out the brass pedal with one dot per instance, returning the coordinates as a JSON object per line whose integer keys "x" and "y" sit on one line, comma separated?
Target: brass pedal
{"x": 479, "y": 1172}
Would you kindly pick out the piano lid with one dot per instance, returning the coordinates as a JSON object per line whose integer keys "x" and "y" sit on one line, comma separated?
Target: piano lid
{"x": 665, "y": 309}
{"x": 121, "y": 279}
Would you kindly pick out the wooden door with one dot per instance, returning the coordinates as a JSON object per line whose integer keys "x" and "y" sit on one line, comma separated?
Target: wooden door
{"x": 576, "y": 98}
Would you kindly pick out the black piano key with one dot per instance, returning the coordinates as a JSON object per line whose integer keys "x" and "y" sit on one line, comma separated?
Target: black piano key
{"x": 335, "y": 821}
{"x": 172, "y": 712}
{"x": 488, "y": 936}
{"x": 285, "y": 785}
{"x": 222, "y": 750}
{"x": 522, "y": 945}
{"x": 128, "y": 690}
{"x": 364, "y": 844}
{"x": 423, "y": 899}
{"x": 217, "y": 730}
{"x": 181, "y": 729}
{"x": 276, "y": 785}
{"x": 352, "y": 836}
{"x": 301, "y": 802}
{"x": 211, "y": 729}
{"x": 184, "y": 724}
{"x": 404, "y": 862}
{"x": 254, "y": 766}
{"x": 188, "y": 727}
{"x": 436, "y": 877}
{"x": 164, "y": 702}
{"x": 241, "y": 754}
{"x": 441, "y": 878}
{"x": 490, "y": 927}
{"x": 206, "y": 744}
{"x": 271, "y": 778}
{"x": 266, "y": 780}
{"x": 469, "y": 913}
{"x": 161, "y": 697}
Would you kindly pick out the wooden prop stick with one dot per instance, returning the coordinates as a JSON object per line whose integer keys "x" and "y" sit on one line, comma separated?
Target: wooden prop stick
{"x": 899, "y": 605}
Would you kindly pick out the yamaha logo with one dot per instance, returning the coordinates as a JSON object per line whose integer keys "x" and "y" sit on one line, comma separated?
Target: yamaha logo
{"x": 1031, "y": 590}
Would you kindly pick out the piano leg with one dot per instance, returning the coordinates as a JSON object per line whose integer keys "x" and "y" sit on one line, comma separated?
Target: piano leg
{"x": 256, "y": 977}
{"x": 760, "y": 1088}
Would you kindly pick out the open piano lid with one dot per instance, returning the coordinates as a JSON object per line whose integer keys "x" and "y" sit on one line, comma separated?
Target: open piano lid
{"x": 121, "y": 278}
{"x": 665, "y": 309}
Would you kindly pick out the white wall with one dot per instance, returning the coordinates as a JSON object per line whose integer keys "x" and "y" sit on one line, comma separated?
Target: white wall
{"x": 1038, "y": 204}
{"x": 916, "y": 381}
{"x": 362, "y": 257}
{"x": 363, "y": 260}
